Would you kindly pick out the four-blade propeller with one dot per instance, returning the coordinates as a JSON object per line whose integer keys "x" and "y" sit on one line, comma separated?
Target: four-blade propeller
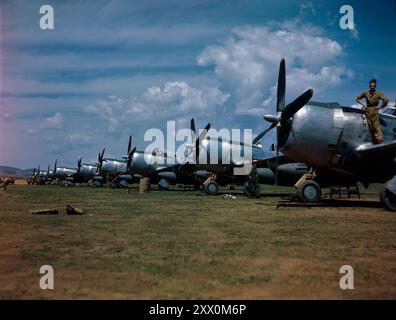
{"x": 55, "y": 167}
{"x": 282, "y": 120}
{"x": 100, "y": 161}
{"x": 79, "y": 164}
{"x": 129, "y": 156}
{"x": 196, "y": 143}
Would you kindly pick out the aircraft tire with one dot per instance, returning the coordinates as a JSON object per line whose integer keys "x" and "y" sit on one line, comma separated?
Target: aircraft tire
{"x": 388, "y": 199}
{"x": 163, "y": 185}
{"x": 252, "y": 189}
{"x": 212, "y": 188}
{"x": 96, "y": 184}
{"x": 309, "y": 192}
{"x": 67, "y": 183}
{"x": 123, "y": 184}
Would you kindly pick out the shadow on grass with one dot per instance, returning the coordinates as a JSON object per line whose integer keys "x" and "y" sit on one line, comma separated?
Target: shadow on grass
{"x": 331, "y": 203}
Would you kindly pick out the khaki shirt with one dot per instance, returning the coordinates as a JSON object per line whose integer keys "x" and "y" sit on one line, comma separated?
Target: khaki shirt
{"x": 372, "y": 99}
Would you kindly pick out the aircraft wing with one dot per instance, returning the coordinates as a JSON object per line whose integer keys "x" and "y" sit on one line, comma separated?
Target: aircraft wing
{"x": 383, "y": 151}
{"x": 163, "y": 169}
{"x": 176, "y": 167}
{"x": 262, "y": 162}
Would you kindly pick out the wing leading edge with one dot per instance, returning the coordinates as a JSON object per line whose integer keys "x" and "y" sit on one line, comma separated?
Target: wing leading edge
{"x": 383, "y": 151}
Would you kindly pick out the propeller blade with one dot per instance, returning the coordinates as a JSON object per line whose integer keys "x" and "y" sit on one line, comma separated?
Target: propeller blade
{"x": 99, "y": 164}
{"x": 79, "y": 163}
{"x": 204, "y": 132}
{"x": 192, "y": 126}
{"x": 281, "y": 89}
{"x": 263, "y": 133}
{"x": 100, "y": 160}
{"x": 199, "y": 140}
{"x": 130, "y": 158}
{"x": 129, "y": 144}
{"x": 193, "y": 134}
{"x": 296, "y": 105}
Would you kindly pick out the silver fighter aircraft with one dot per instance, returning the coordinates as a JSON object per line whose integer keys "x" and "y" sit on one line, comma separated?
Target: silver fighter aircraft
{"x": 272, "y": 168}
{"x": 336, "y": 142}
{"x": 134, "y": 165}
{"x": 64, "y": 175}
{"x": 159, "y": 167}
{"x": 41, "y": 177}
{"x": 112, "y": 171}
{"x": 85, "y": 172}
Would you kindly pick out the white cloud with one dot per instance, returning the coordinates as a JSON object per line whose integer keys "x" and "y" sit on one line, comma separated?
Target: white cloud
{"x": 306, "y": 8}
{"x": 355, "y": 32}
{"x": 79, "y": 139}
{"x": 8, "y": 116}
{"x": 55, "y": 122}
{"x": 247, "y": 62}
{"x": 173, "y": 101}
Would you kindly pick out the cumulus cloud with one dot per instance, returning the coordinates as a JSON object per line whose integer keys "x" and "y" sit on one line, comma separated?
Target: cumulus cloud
{"x": 79, "y": 139}
{"x": 55, "y": 122}
{"x": 307, "y": 8}
{"x": 69, "y": 142}
{"x": 246, "y": 62}
{"x": 7, "y": 116}
{"x": 173, "y": 101}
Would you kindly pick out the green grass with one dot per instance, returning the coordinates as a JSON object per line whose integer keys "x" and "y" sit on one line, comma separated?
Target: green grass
{"x": 184, "y": 245}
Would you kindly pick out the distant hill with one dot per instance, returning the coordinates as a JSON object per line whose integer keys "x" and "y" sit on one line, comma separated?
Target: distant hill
{"x": 15, "y": 172}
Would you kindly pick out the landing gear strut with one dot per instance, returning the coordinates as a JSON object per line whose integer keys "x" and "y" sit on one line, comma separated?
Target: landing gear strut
{"x": 308, "y": 190}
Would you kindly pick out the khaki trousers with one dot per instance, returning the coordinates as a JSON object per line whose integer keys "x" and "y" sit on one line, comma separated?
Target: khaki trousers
{"x": 374, "y": 122}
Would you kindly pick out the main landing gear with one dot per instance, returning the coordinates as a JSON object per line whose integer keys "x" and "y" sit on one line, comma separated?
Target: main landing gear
{"x": 308, "y": 190}
{"x": 388, "y": 195}
{"x": 252, "y": 189}
{"x": 211, "y": 187}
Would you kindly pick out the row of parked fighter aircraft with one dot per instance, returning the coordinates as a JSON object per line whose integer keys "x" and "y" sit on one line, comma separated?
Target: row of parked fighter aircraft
{"x": 161, "y": 168}
{"x": 317, "y": 145}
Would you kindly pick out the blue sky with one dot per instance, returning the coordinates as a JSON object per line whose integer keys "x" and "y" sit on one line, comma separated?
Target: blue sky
{"x": 114, "y": 68}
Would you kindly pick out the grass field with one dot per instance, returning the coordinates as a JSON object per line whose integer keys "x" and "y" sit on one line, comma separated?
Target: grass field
{"x": 186, "y": 245}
